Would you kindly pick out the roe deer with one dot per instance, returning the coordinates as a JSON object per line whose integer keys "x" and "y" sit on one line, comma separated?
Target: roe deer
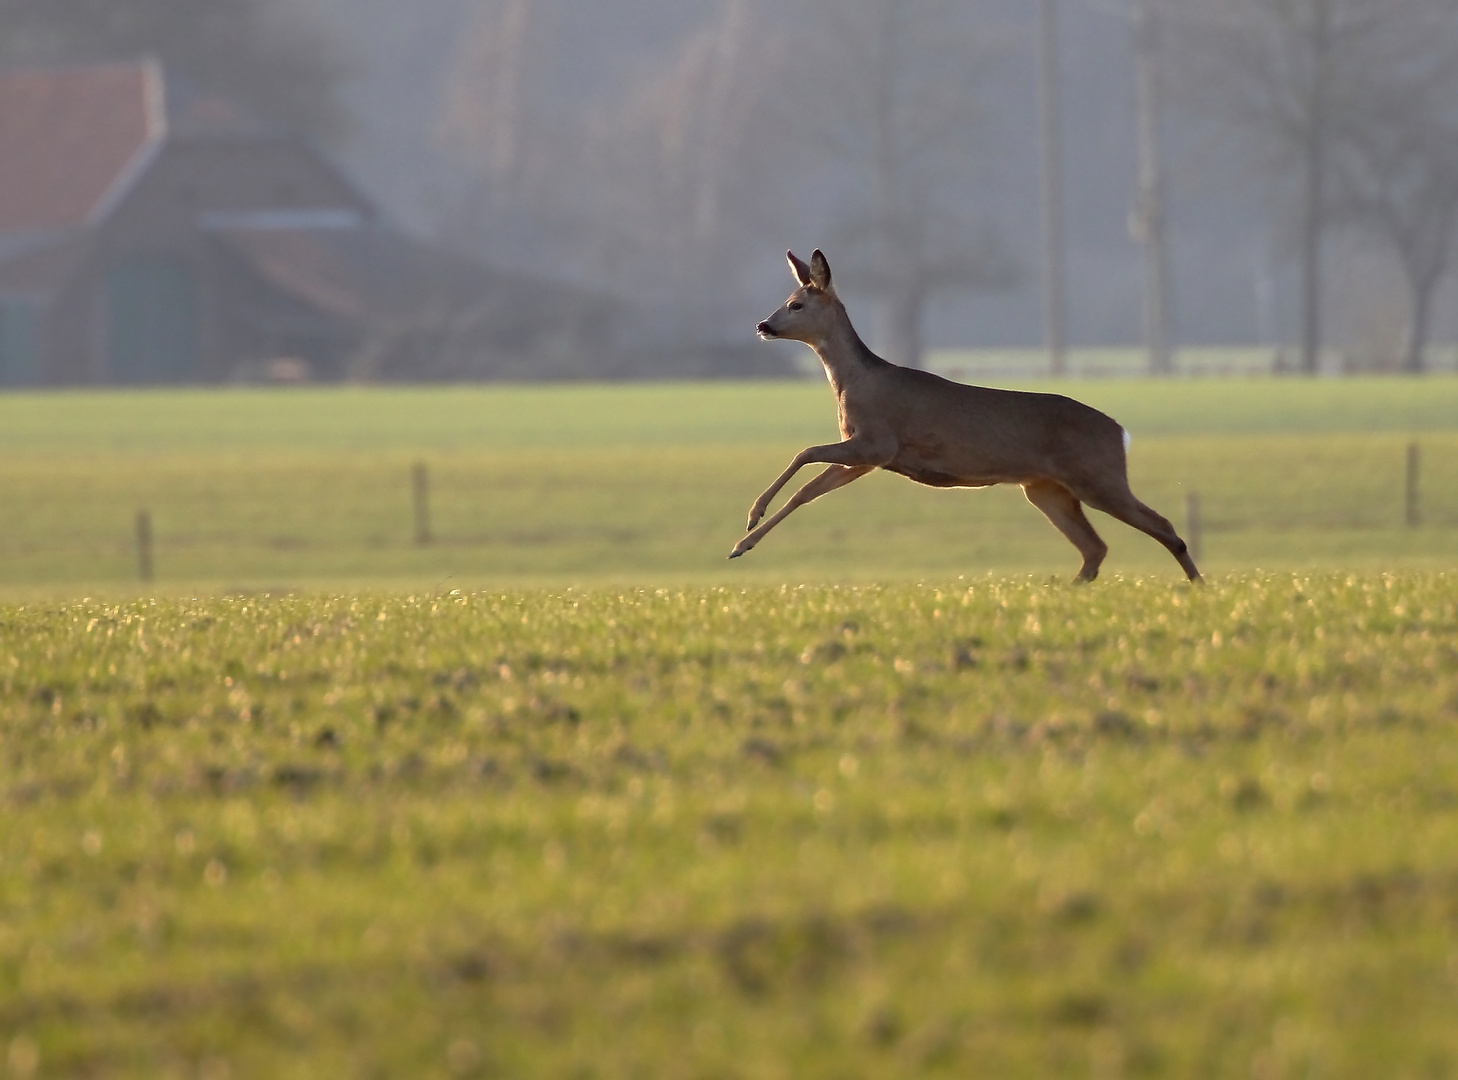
{"x": 946, "y": 434}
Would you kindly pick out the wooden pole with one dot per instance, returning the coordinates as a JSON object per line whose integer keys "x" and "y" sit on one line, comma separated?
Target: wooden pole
{"x": 144, "y": 546}
{"x": 1055, "y": 334}
{"x": 420, "y": 486}
{"x": 1148, "y": 219}
{"x": 1194, "y": 538}
{"x": 1414, "y": 460}
{"x": 1314, "y": 197}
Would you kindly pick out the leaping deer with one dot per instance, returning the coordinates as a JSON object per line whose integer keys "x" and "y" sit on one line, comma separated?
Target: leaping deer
{"x": 945, "y": 434}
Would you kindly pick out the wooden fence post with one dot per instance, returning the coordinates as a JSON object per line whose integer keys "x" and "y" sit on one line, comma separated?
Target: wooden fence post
{"x": 1414, "y": 513}
{"x": 420, "y": 485}
{"x": 1193, "y": 525}
{"x": 144, "y": 546}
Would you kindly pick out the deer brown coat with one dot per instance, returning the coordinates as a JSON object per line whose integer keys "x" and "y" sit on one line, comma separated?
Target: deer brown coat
{"x": 1063, "y": 453}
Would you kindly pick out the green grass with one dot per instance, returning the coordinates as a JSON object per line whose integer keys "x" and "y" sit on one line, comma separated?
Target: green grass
{"x": 566, "y": 794}
{"x": 985, "y": 827}
{"x": 556, "y": 485}
{"x": 505, "y": 418}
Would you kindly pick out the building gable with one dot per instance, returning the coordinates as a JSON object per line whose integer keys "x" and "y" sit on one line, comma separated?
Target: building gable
{"x": 150, "y": 233}
{"x": 71, "y": 140}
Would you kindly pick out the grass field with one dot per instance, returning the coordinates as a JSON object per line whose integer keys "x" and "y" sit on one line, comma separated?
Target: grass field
{"x": 258, "y": 489}
{"x": 565, "y": 794}
{"x": 997, "y": 829}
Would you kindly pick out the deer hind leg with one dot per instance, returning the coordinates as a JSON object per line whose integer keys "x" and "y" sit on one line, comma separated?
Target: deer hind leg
{"x": 832, "y": 478}
{"x": 1061, "y": 508}
{"x": 1123, "y": 505}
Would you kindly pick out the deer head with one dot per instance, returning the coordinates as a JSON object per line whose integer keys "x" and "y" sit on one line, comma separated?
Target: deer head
{"x": 806, "y": 315}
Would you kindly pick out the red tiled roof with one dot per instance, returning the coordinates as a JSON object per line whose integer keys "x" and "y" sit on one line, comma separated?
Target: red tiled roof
{"x": 69, "y": 137}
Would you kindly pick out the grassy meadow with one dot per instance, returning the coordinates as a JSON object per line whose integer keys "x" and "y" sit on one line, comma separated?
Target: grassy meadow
{"x": 1000, "y": 829}
{"x": 637, "y": 484}
{"x": 566, "y": 794}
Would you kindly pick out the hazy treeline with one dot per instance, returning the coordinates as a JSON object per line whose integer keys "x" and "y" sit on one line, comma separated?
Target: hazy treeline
{"x": 853, "y": 126}
{"x": 883, "y": 127}
{"x": 1304, "y": 152}
{"x": 1345, "y": 112}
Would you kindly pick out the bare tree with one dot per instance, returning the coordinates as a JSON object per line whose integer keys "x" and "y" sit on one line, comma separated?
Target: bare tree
{"x": 1395, "y": 139}
{"x": 765, "y": 120}
{"x": 640, "y": 189}
{"x": 854, "y": 116}
{"x": 1349, "y": 107}
{"x": 885, "y": 94}
{"x": 1149, "y": 221}
{"x": 1265, "y": 68}
{"x": 495, "y": 124}
{"x": 1050, "y": 152}
{"x": 684, "y": 178}
{"x": 485, "y": 115}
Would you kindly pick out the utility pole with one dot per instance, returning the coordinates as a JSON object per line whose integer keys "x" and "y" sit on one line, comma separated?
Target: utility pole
{"x": 1055, "y": 336}
{"x": 1148, "y": 222}
{"x": 1313, "y": 215}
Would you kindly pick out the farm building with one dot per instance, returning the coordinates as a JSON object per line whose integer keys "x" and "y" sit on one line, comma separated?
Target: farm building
{"x": 151, "y": 234}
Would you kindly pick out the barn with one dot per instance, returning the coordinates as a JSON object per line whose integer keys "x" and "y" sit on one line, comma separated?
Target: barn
{"x": 153, "y": 234}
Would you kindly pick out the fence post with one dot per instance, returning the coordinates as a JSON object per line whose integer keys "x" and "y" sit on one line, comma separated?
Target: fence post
{"x": 420, "y": 485}
{"x": 1193, "y": 525}
{"x": 144, "y": 546}
{"x": 1414, "y": 460}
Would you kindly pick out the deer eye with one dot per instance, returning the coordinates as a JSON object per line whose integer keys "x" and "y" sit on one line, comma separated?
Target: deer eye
{"x": 795, "y": 305}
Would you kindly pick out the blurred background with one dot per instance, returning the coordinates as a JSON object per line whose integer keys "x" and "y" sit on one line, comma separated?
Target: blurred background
{"x": 205, "y": 191}
{"x": 359, "y": 194}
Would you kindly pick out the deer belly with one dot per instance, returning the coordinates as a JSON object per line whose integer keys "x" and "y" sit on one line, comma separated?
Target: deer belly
{"x": 939, "y": 470}
{"x": 932, "y": 476}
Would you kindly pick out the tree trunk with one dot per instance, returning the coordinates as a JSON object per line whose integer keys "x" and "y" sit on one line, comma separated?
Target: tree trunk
{"x": 1311, "y": 271}
{"x": 1419, "y": 318}
{"x": 1314, "y": 194}
{"x": 506, "y": 106}
{"x": 1055, "y": 335}
{"x": 729, "y": 39}
{"x": 903, "y": 314}
{"x": 1149, "y": 214}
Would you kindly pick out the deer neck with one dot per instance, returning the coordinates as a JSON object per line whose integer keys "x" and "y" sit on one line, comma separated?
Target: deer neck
{"x": 844, "y": 355}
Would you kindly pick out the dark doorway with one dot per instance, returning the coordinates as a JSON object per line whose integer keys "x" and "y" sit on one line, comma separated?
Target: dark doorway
{"x": 19, "y": 342}
{"x": 151, "y": 320}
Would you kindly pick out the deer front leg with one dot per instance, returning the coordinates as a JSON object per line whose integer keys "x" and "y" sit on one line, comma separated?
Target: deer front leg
{"x": 854, "y": 453}
{"x": 832, "y": 478}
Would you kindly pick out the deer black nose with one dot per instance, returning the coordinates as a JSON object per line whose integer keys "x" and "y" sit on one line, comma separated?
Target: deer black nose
{"x": 764, "y": 330}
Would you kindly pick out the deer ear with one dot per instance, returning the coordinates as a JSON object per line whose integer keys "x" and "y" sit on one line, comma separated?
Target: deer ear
{"x": 820, "y": 271}
{"x": 799, "y": 269}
